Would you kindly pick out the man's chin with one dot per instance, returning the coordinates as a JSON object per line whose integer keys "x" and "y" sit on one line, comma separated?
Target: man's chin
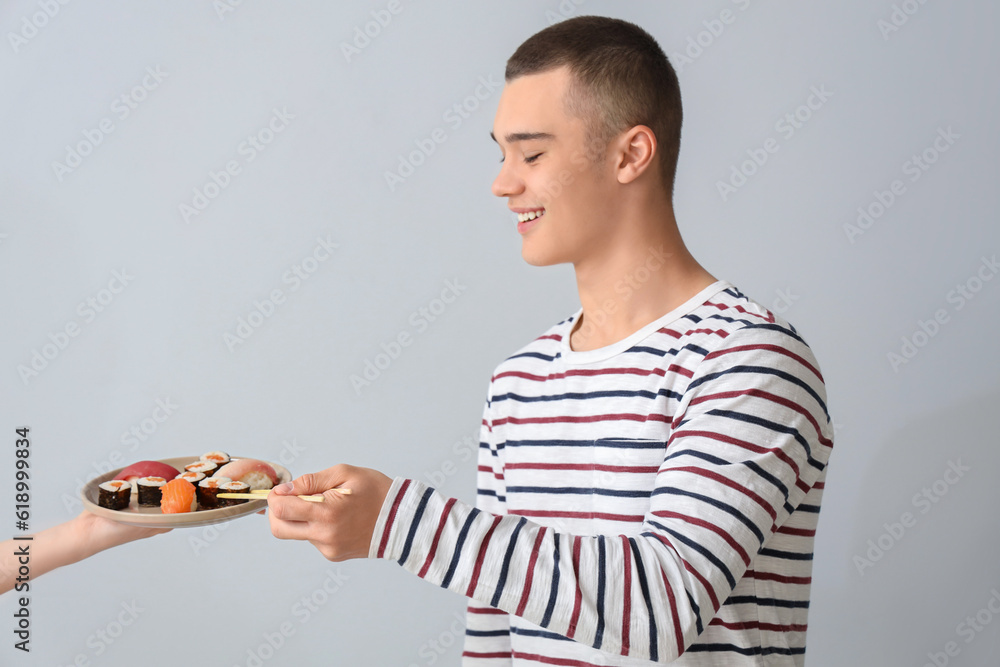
{"x": 541, "y": 259}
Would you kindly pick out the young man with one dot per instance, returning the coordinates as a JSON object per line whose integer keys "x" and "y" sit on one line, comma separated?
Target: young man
{"x": 651, "y": 467}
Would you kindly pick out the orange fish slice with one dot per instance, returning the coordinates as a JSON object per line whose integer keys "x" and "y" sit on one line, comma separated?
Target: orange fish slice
{"x": 178, "y": 497}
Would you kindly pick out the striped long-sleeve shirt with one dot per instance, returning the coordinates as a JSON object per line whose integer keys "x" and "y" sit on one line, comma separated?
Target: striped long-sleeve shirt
{"x": 651, "y": 501}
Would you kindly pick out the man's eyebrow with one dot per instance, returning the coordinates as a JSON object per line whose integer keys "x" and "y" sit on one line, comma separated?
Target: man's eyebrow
{"x": 524, "y": 136}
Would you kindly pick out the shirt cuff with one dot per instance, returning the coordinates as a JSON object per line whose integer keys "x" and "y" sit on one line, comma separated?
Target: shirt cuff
{"x": 383, "y": 532}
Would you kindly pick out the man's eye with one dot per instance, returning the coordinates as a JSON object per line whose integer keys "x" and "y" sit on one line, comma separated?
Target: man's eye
{"x": 531, "y": 159}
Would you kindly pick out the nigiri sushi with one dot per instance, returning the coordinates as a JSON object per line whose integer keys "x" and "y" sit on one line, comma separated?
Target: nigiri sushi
{"x": 257, "y": 474}
{"x": 147, "y": 469}
{"x": 178, "y": 497}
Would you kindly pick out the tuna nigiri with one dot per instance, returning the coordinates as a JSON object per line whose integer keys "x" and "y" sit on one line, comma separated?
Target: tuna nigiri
{"x": 178, "y": 497}
{"x": 147, "y": 469}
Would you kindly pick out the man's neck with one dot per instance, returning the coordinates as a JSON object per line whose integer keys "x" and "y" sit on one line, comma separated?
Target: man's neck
{"x": 632, "y": 282}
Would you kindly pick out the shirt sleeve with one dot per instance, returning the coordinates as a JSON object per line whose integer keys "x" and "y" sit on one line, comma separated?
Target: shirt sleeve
{"x": 750, "y": 438}
{"x": 487, "y": 629}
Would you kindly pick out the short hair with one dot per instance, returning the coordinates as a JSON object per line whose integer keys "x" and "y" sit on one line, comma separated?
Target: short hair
{"x": 620, "y": 78}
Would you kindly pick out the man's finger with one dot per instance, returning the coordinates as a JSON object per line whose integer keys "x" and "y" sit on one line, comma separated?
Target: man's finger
{"x": 290, "y": 508}
{"x": 290, "y": 530}
{"x": 315, "y": 482}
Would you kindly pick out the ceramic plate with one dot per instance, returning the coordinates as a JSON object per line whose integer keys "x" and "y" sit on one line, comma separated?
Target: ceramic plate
{"x": 151, "y": 517}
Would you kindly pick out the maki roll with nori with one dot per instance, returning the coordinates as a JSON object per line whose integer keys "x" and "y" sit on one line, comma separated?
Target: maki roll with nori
{"x": 193, "y": 477}
{"x": 205, "y": 467}
{"x": 218, "y": 458}
{"x": 149, "y": 491}
{"x": 208, "y": 489}
{"x": 114, "y": 495}
{"x": 233, "y": 487}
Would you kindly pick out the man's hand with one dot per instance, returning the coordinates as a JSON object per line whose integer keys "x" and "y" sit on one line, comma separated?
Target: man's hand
{"x": 341, "y": 526}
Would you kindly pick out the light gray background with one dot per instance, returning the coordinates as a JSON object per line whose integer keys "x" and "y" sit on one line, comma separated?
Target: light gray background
{"x": 286, "y": 392}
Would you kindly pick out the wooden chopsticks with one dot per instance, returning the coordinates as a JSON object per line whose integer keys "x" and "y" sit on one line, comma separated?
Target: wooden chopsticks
{"x": 261, "y": 494}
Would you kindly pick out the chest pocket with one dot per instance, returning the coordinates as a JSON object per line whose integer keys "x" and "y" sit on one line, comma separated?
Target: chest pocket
{"x": 626, "y": 468}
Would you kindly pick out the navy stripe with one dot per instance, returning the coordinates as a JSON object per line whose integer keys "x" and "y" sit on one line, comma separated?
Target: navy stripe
{"x": 601, "y": 576}
{"x": 455, "y": 557}
{"x": 763, "y": 370}
{"x": 697, "y": 612}
{"x": 535, "y": 355}
{"x": 769, "y": 477}
{"x": 586, "y": 395}
{"x": 699, "y": 548}
{"x": 773, "y": 426}
{"x": 714, "y": 503}
{"x": 538, "y": 633}
{"x": 615, "y": 443}
{"x": 554, "y": 591}
{"x": 486, "y": 633}
{"x": 787, "y": 555}
{"x": 768, "y": 602}
{"x": 506, "y": 562}
{"x": 489, "y": 492}
{"x": 644, "y": 585}
{"x": 413, "y": 525}
{"x": 582, "y": 490}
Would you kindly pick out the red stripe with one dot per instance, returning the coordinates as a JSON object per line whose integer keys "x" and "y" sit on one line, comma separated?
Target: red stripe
{"x": 756, "y": 625}
{"x": 475, "y": 654}
{"x": 392, "y": 518}
{"x": 481, "y": 557}
{"x": 770, "y": 348}
{"x": 770, "y": 576}
{"x": 741, "y": 309}
{"x": 570, "y": 419}
{"x": 801, "y": 532}
{"x": 575, "y": 616}
{"x": 578, "y": 466}
{"x": 531, "y": 573}
{"x": 586, "y": 372}
{"x": 486, "y": 610}
{"x": 550, "y": 337}
{"x": 488, "y": 469}
{"x": 721, "y": 479}
{"x": 668, "y": 514}
{"x": 739, "y": 443}
{"x": 437, "y": 537}
{"x": 690, "y": 568}
{"x": 678, "y": 633}
{"x": 627, "y": 606}
{"x": 718, "y": 332}
{"x": 548, "y": 660}
{"x": 780, "y": 400}
{"x": 560, "y": 514}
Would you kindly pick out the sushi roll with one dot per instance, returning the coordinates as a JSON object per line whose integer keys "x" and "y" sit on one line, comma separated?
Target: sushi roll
{"x": 208, "y": 488}
{"x": 207, "y": 468}
{"x": 193, "y": 477}
{"x": 232, "y": 487}
{"x": 149, "y": 491}
{"x": 178, "y": 497}
{"x": 114, "y": 495}
{"x": 218, "y": 458}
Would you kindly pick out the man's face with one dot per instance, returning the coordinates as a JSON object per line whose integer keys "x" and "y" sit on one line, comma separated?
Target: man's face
{"x": 547, "y": 171}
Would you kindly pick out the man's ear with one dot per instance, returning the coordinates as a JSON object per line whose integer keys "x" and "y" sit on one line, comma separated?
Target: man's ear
{"x": 636, "y": 149}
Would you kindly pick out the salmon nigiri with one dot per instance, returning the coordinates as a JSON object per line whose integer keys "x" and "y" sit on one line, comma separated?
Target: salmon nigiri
{"x": 178, "y": 496}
